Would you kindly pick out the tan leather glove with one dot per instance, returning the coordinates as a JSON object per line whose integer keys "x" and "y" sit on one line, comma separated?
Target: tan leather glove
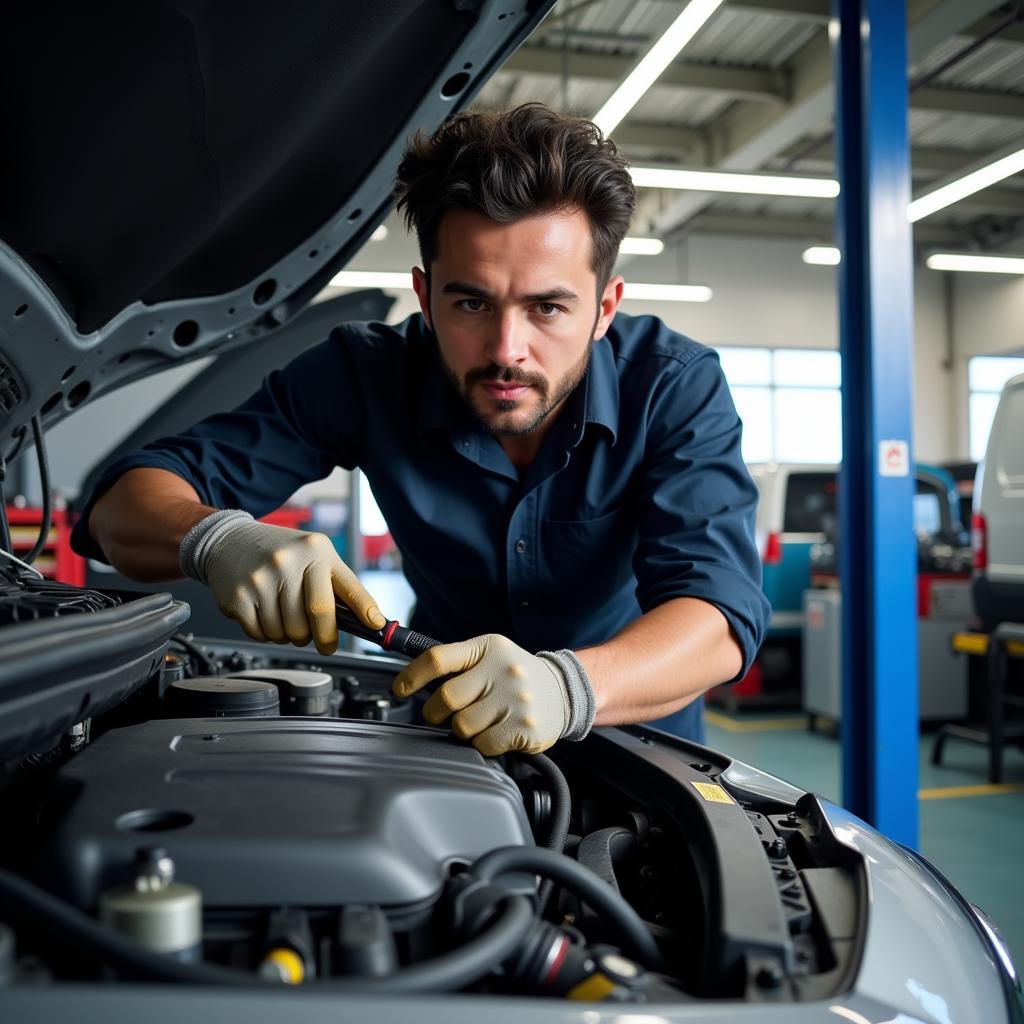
{"x": 279, "y": 584}
{"x": 502, "y": 697}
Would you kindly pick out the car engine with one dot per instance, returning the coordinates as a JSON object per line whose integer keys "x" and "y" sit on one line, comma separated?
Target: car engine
{"x": 253, "y": 814}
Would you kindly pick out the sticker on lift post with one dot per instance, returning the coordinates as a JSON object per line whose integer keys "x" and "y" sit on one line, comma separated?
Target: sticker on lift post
{"x": 713, "y": 793}
{"x": 893, "y": 458}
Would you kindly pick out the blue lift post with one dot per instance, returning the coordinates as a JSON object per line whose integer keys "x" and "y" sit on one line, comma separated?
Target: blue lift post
{"x": 878, "y": 560}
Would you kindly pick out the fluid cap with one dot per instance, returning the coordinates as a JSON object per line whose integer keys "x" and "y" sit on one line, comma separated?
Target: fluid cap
{"x": 303, "y": 692}
{"x": 217, "y": 697}
{"x": 159, "y": 913}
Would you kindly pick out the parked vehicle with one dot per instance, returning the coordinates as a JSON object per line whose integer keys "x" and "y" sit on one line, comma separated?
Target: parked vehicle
{"x": 797, "y": 509}
{"x": 943, "y": 543}
{"x": 964, "y": 474}
{"x": 997, "y": 524}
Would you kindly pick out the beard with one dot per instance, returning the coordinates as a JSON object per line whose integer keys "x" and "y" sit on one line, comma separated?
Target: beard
{"x": 497, "y": 418}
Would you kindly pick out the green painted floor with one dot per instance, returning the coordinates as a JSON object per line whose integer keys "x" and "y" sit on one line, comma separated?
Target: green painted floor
{"x": 976, "y": 841}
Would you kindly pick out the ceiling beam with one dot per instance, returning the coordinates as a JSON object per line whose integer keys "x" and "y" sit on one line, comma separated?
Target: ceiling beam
{"x": 679, "y": 138}
{"x": 925, "y": 161}
{"x": 969, "y": 101}
{"x": 753, "y": 135}
{"x": 805, "y": 10}
{"x": 811, "y": 230}
{"x": 761, "y": 85}
{"x": 1000, "y": 202}
{"x": 742, "y": 83}
{"x": 1007, "y": 34}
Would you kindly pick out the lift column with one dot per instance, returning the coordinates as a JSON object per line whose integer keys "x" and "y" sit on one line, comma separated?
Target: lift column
{"x": 878, "y": 555}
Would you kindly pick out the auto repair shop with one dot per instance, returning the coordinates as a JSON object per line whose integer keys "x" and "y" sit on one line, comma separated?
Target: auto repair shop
{"x": 829, "y": 197}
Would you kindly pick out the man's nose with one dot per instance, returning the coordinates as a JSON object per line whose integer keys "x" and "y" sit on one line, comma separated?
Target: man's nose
{"x": 508, "y": 343}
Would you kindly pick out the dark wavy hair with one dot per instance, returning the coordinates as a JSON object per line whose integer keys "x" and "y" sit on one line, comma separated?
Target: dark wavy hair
{"x": 514, "y": 164}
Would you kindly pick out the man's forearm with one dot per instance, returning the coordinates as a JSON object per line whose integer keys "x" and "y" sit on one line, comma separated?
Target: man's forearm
{"x": 661, "y": 662}
{"x": 140, "y": 522}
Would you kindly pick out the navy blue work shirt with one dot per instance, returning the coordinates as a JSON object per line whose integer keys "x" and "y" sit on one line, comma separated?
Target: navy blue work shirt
{"x": 637, "y": 495}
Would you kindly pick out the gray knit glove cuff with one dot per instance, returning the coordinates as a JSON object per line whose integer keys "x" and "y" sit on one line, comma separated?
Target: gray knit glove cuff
{"x": 197, "y": 545}
{"x": 580, "y": 694}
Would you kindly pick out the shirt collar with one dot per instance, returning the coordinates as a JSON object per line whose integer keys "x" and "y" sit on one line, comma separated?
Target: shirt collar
{"x": 602, "y": 402}
{"x": 600, "y": 387}
{"x": 435, "y": 410}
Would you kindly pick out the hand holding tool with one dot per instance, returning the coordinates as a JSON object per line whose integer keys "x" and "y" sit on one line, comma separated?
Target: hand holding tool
{"x": 280, "y": 584}
{"x": 502, "y": 697}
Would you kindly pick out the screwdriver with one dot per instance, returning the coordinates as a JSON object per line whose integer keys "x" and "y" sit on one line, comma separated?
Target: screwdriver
{"x": 392, "y": 637}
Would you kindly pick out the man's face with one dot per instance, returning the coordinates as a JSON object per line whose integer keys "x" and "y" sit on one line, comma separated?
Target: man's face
{"x": 515, "y": 309}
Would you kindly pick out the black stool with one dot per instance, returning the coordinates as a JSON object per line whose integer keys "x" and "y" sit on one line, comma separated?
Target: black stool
{"x": 1004, "y": 642}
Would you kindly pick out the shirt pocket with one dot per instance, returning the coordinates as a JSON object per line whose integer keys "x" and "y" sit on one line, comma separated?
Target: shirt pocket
{"x": 592, "y": 556}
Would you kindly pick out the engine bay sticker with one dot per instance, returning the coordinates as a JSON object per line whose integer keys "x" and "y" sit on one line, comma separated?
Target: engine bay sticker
{"x": 712, "y": 793}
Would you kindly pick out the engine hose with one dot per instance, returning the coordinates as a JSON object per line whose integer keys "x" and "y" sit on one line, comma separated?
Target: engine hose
{"x": 561, "y": 812}
{"x": 561, "y": 800}
{"x": 44, "y": 482}
{"x": 637, "y": 940}
{"x": 29, "y": 907}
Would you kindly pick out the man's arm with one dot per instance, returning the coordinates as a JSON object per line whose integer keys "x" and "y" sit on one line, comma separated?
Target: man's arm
{"x": 670, "y": 656}
{"x": 140, "y": 522}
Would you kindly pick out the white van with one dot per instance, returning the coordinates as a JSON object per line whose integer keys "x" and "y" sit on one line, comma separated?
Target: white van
{"x": 997, "y": 522}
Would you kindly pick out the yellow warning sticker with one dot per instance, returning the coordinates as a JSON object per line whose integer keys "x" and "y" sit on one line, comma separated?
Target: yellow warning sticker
{"x": 594, "y": 989}
{"x": 712, "y": 793}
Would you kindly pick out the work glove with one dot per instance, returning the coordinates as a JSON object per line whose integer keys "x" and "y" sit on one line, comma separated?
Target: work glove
{"x": 502, "y": 697}
{"x": 279, "y": 584}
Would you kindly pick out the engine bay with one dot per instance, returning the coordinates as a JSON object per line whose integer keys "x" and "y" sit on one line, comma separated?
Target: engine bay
{"x": 254, "y": 814}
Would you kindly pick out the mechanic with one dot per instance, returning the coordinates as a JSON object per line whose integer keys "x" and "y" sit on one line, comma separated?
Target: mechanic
{"x": 564, "y": 484}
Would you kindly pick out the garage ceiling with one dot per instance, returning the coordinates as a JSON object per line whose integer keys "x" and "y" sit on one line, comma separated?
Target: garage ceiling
{"x": 753, "y": 91}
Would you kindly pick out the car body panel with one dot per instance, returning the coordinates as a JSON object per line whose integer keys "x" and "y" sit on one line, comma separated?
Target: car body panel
{"x": 208, "y": 255}
{"x": 999, "y": 498}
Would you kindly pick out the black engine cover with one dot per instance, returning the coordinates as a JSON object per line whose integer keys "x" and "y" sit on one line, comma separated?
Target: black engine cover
{"x": 261, "y": 812}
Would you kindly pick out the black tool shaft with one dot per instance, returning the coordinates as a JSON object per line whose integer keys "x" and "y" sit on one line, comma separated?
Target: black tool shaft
{"x": 392, "y": 637}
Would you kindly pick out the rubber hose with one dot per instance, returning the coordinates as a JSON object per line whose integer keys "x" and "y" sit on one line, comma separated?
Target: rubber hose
{"x": 561, "y": 800}
{"x": 25, "y": 905}
{"x": 44, "y": 482}
{"x": 561, "y": 812}
{"x": 637, "y": 940}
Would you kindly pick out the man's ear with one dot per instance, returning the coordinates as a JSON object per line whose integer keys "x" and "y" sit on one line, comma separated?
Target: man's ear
{"x": 610, "y": 299}
{"x": 421, "y": 286}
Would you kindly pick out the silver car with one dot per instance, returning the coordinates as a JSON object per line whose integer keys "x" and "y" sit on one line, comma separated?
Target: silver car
{"x": 199, "y": 826}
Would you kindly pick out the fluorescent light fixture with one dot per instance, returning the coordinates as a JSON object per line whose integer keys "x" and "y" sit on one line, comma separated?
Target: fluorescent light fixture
{"x": 380, "y": 234}
{"x": 667, "y": 292}
{"x": 975, "y": 263}
{"x": 654, "y": 292}
{"x": 728, "y": 181}
{"x": 371, "y": 279}
{"x": 654, "y": 62}
{"x": 641, "y": 247}
{"x": 966, "y": 185}
{"x": 822, "y": 256}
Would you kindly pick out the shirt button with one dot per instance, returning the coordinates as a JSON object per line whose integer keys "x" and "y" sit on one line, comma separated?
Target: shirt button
{"x": 524, "y": 604}
{"x": 520, "y": 546}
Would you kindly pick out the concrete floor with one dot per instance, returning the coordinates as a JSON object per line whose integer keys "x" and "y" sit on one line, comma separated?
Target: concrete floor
{"x": 971, "y": 831}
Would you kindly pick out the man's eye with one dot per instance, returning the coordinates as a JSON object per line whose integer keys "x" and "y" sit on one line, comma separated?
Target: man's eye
{"x": 548, "y": 309}
{"x": 471, "y": 305}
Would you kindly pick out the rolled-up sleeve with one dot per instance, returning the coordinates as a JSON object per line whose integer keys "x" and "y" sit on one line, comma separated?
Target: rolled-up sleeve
{"x": 697, "y": 504}
{"x": 303, "y": 421}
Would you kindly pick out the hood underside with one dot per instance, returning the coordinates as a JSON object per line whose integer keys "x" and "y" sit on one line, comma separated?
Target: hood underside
{"x": 183, "y": 177}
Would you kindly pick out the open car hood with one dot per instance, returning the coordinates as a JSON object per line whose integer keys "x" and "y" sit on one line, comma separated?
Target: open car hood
{"x": 181, "y": 178}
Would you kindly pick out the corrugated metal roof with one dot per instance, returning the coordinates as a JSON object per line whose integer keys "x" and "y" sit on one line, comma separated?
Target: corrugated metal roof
{"x": 744, "y": 39}
{"x": 975, "y": 135}
{"x": 997, "y": 65}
